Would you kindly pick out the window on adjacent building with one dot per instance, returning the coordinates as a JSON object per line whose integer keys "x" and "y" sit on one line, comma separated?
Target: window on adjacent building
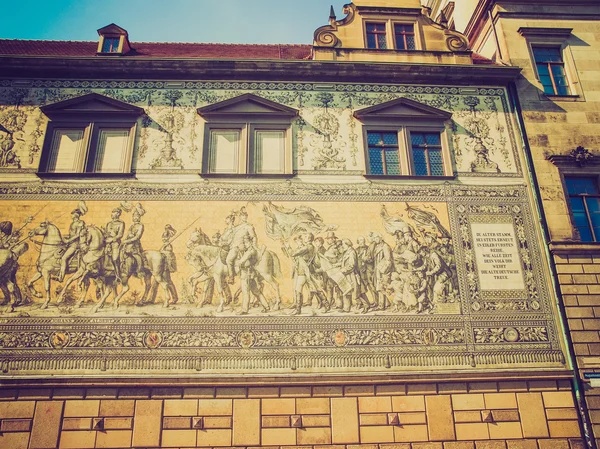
{"x": 405, "y": 36}
{"x": 247, "y": 135}
{"x": 551, "y": 70}
{"x": 376, "y": 36}
{"x": 584, "y": 198}
{"x": 89, "y": 134}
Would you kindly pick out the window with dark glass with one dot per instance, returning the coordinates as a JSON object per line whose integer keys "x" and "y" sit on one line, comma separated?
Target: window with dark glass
{"x": 427, "y": 154}
{"x": 584, "y": 199}
{"x": 376, "y": 36}
{"x": 110, "y": 45}
{"x": 405, "y": 36}
{"x": 383, "y": 153}
{"x": 551, "y": 70}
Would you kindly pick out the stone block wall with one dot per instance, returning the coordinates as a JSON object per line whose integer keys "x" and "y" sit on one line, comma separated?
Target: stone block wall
{"x": 579, "y": 278}
{"x": 460, "y": 415}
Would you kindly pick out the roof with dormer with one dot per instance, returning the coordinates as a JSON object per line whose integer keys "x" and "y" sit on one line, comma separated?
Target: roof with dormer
{"x": 174, "y": 50}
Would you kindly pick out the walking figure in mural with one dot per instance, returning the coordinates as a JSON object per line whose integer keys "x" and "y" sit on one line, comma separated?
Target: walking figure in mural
{"x": 11, "y": 248}
{"x": 167, "y": 248}
{"x": 383, "y": 268}
{"x": 251, "y": 282}
{"x": 115, "y": 229}
{"x": 305, "y": 266}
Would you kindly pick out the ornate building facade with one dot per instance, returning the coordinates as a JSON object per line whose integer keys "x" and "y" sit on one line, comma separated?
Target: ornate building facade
{"x": 334, "y": 244}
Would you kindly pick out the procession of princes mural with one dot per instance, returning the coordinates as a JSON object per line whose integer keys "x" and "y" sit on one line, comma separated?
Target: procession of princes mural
{"x": 288, "y": 260}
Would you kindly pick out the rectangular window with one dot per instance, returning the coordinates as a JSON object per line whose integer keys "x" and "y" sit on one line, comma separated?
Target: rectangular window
{"x": 584, "y": 199}
{"x": 110, "y": 45}
{"x": 551, "y": 70}
{"x": 405, "y": 36}
{"x": 383, "y": 153}
{"x": 112, "y": 153}
{"x": 67, "y": 153}
{"x": 269, "y": 152}
{"x": 427, "y": 154}
{"x": 225, "y": 151}
{"x": 376, "y": 36}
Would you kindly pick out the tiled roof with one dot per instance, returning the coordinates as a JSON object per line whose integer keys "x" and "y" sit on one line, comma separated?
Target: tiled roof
{"x": 478, "y": 59}
{"x": 18, "y": 47}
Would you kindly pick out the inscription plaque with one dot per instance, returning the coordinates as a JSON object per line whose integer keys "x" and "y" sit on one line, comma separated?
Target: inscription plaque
{"x": 497, "y": 256}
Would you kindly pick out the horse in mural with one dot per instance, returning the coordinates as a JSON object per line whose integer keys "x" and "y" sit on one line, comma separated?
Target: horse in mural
{"x": 92, "y": 266}
{"x": 154, "y": 273}
{"x": 48, "y": 264}
{"x": 213, "y": 268}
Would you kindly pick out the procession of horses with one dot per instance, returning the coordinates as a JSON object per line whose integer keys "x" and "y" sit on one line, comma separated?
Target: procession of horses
{"x": 232, "y": 271}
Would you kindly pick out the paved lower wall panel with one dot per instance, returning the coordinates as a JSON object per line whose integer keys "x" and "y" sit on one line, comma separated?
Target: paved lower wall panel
{"x": 477, "y": 415}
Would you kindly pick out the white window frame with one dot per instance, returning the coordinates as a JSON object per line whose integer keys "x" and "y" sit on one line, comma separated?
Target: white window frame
{"x": 246, "y": 164}
{"x": 87, "y": 161}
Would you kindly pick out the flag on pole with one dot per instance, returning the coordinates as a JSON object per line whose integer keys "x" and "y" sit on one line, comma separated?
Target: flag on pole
{"x": 282, "y": 223}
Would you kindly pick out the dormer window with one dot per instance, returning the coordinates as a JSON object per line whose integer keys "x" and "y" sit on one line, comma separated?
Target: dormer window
{"x": 405, "y": 36}
{"x": 376, "y": 36}
{"x": 110, "y": 45}
{"x": 114, "y": 41}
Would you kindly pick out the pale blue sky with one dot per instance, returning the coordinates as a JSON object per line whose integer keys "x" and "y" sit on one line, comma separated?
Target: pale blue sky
{"x": 227, "y": 21}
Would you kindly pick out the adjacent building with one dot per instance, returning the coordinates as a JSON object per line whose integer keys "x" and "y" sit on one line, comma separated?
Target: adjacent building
{"x": 556, "y": 45}
{"x": 335, "y": 244}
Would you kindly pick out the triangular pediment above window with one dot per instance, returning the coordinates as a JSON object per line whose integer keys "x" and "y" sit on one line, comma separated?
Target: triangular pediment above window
{"x": 247, "y": 105}
{"x": 91, "y": 104}
{"x": 112, "y": 29}
{"x": 402, "y": 108}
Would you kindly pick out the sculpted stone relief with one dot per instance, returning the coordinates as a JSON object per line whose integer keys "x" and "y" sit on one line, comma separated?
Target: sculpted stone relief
{"x": 326, "y": 136}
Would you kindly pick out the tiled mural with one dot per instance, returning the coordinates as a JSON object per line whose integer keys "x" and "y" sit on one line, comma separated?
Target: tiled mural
{"x": 257, "y": 276}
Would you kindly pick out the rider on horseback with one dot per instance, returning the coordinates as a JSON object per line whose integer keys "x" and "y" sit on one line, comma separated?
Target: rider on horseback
{"x": 72, "y": 241}
{"x": 132, "y": 245}
{"x": 115, "y": 229}
{"x": 240, "y": 232}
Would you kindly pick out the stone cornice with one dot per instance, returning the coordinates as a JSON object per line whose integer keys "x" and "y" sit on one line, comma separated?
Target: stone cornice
{"x": 190, "y": 69}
